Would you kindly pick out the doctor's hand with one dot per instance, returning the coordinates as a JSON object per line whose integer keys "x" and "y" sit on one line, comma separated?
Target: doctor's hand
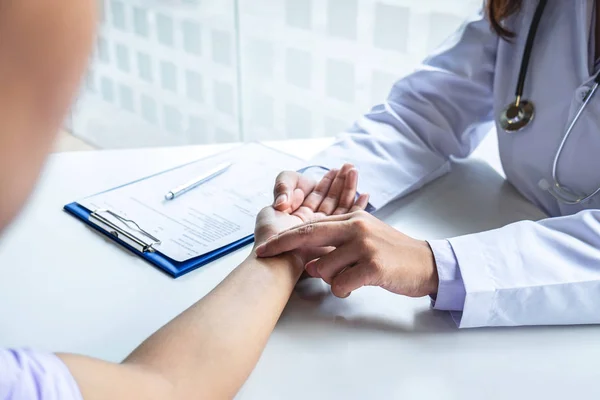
{"x": 367, "y": 252}
{"x": 271, "y": 222}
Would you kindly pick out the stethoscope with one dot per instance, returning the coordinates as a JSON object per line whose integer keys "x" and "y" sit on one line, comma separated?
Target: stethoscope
{"x": 518, "y": 114}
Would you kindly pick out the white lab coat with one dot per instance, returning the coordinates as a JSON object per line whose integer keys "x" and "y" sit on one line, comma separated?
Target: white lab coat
{"x": 527, "y": 273}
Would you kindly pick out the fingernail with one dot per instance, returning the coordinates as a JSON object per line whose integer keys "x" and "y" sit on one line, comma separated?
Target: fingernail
{"x": 260, "y": 250}
{"x": 311, "y": 269}
{"x": 282, "y": 198}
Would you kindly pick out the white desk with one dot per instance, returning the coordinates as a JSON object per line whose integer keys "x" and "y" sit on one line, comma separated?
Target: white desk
{"x": 65, "y": 288}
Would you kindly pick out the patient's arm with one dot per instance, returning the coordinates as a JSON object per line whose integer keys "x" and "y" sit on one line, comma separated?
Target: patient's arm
{"x": 209, "y": 350}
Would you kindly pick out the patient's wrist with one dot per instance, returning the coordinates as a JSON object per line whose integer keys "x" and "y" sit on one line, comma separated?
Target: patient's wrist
{"x": 292, "y": 260}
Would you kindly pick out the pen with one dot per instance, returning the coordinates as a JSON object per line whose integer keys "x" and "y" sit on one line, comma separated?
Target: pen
{"x": 179, "y": 190}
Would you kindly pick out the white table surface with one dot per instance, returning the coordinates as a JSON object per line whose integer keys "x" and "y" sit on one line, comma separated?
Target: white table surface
{"x": 65, "y": 288}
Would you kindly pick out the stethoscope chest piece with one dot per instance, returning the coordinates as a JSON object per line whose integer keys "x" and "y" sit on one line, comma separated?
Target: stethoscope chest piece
{"x": 517, "y": 115}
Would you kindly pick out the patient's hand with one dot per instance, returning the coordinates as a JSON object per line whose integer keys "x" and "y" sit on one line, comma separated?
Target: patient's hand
{"x": 334, "y": 194}
{"x": 296, "y": 194}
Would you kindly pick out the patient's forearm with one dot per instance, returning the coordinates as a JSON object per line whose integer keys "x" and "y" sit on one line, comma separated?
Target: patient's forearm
{"x": 210, "y": 349}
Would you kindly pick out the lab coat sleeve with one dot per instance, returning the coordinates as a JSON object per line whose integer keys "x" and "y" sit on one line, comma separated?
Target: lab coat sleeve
{"x": 441, "y": 110}
{"x": 532, "y": 273}
{"x": 451, "y": 288}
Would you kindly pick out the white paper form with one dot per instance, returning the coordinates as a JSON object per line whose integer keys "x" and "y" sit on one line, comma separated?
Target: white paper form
{"x": 215, "y": 214}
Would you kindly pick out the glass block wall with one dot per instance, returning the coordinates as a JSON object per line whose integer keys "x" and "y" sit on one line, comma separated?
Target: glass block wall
{"x": 170, "y": 72}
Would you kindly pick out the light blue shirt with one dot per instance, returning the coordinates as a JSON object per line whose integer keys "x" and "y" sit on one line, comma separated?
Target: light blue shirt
{"x": 527, "y": 273}
{"x": 29, "y": 375}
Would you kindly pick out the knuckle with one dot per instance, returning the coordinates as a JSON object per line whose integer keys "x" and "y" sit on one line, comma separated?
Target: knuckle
{"x": 360, "y": 215}
{"x": 361, "y": 220}
{"x": 361, "y": 225}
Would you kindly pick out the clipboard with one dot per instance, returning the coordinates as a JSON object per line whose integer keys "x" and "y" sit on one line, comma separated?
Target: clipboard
{"x": 142, "y": 246}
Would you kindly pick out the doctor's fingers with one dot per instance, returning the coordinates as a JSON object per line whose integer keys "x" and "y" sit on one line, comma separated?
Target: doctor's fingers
{"x": 355, "y": 277}
{"x": 330, "y": 265}
{"x": 290, "y": 190}
{"x": 312, "y": 253}
{"x": 322, "y": 233}
{"x": 337, "y": 189}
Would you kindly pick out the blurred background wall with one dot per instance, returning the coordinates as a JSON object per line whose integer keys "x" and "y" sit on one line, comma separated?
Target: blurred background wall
{"x": 171, "y": 72}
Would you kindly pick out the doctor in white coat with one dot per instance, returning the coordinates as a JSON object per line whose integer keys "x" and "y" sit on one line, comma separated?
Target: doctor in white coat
{"x": 531, "y": 68}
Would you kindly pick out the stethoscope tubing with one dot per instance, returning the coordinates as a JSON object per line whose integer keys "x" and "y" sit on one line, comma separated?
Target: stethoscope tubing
{"x": 557, "y": 183}
{"x": 537, "y": 17}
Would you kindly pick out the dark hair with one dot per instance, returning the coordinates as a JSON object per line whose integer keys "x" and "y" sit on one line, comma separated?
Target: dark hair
{"x": 498, "y": 10}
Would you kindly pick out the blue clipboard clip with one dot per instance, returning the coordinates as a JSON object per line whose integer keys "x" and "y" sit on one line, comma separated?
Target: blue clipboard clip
{"x": 142, "y": 245}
